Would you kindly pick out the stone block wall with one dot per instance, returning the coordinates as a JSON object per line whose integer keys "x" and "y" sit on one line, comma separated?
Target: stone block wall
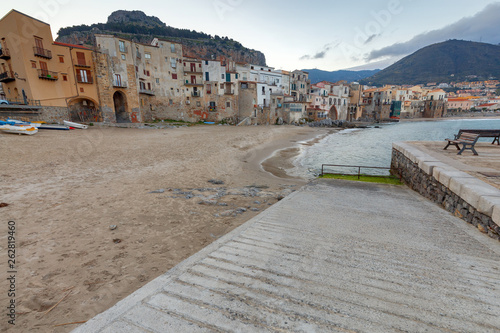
{"x": 424, "y": 182}
{"x": 49, "y": 114}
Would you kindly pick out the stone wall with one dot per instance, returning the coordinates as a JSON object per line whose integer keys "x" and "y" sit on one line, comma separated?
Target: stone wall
{"x": 429, "y": 187}
{"x": 49, "y": 114}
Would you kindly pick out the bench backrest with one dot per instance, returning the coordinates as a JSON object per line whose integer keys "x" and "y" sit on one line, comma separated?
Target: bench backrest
{"x": 481, "y": 132}
{"x": 468, "y": 137}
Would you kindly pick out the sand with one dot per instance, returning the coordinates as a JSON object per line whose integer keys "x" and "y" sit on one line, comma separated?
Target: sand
{"x": 65, "y": 189}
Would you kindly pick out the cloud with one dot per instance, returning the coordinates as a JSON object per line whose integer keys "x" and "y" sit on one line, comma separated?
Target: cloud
{"x": 372, "y": 37}
{"x": 483, "y": 26}
{"x": 320, "y": 54}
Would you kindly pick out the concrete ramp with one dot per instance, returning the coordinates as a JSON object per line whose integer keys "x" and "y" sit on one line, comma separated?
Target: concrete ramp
{"x": 335, "y": 256}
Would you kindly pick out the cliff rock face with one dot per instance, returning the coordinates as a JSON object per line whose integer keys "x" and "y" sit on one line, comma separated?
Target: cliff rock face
{"x": 134, "y": 17}
{"x": 138, "y": 27}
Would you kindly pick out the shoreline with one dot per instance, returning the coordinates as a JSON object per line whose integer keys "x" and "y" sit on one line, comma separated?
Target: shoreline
{"x": 282, "y": 160}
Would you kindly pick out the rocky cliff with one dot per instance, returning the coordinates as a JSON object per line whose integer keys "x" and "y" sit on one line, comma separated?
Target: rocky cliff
{"x": 138, "y": 27}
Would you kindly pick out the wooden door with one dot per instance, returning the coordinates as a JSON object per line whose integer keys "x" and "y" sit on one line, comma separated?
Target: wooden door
{"x": 80, "y": 56}
{"x": 39, "y": 45}
{"x": 44, "y": 69}
{"x": 193, "y": 79}
{"x": 193, "y": 67}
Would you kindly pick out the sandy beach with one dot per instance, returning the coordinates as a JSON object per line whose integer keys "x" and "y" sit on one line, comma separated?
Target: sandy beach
{"x": 66, "y": 191}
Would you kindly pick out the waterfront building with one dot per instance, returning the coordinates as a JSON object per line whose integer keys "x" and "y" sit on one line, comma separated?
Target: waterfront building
{"x": 36, "y": 71}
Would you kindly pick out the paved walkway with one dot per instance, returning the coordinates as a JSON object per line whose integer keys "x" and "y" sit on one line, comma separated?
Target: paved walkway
{"x": 333, "y": 257}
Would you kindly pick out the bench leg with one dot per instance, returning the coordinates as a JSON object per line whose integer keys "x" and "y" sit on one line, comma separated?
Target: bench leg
{"x": 496, "y": 139}
{"x": 465, "y": 147}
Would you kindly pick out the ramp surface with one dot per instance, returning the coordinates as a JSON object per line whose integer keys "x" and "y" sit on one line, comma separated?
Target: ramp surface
{"x": 335, "y": 256}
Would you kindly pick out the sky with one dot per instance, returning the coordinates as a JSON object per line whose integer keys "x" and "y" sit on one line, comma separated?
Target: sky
{"x": 324, "y": 34}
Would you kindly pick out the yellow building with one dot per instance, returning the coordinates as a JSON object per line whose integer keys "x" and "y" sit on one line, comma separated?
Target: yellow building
{"x": 35, "y": 70}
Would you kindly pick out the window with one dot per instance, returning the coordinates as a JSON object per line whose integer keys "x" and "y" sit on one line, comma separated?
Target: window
{"x": 65, "y": 78}
{"x": 121, "y": 46}
{"x": 81, "y": 89}
{"x": 123, "y": 56}
{"x": 228, "y": 104}
{"x": 136, "y": 68}
{"x": 209, "y": 89}
{"x": 157, "y": 81}
{"x": 83, "y": 76}
{"x": 118, "y": 80}
{"x": 222, "y": 76}
{"x": 198, "y": 104}
{"x": 33, "y": 64}
{"x": 147, "y": 55}
{"x": 173, "y": 62}
{"x": 172, "y": 48}
{"x": 174, "y": 76}
{"x": 61, "y": 59}
{"x": 149, "y": 86}
{"x": 80, "y": 58}
{"x": 207, "y": 76}
{"x": 206, "y": 62}
{"x": 244, "y": 86}
{"x": 170, "y": 101}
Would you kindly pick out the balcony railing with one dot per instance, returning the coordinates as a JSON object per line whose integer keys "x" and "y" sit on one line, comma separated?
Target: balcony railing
{"x": 44, "y": 53}
{"x": 120, "y": 84}
{"x": 196, "y": 94}
{"x": 228, "y": 92}
{"x": 7, "y": 76}
{"x": 123, "y": 49}
{"x": 190, "y": 71}
{"x": 88, "y": 79}
{"x": 146, "y": 92}
{"x": 49, "y": 75}
{"x": 82, "y": 63}
{"x": 4, "y": 53}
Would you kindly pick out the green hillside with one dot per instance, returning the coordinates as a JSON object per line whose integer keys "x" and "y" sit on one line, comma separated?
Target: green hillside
{"x": 450, "y": 61}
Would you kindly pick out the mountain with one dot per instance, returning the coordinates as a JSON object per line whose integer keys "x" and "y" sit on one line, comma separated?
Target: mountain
{"x": 317, "y": 75}
{"x": 450, "y": 61}
{"x": 139, "y": 27}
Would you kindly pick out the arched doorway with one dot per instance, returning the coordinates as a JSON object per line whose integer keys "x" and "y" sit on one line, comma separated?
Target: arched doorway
{"x": 120, "y": 104}
{"x": 334, "y": 115}
{"x": 84, "y": 110}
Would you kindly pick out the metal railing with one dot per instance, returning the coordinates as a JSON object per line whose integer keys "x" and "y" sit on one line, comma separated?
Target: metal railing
{"x": 4, "y": 53}
{"x": 196, "y": 93}
{"x": 49, "y": 75}
{"x": 146, "y": 92}
{"x": 7, "y": 76}
{"x": 82, "y": 63}
{"x": 88, "y": 79}
{"x": 27, "y": 101}
{"x": 358, "y": 167}
{"x": 120, "y": 84}
{"x": 44, "y": 53}
{"x": 123, "y": 49}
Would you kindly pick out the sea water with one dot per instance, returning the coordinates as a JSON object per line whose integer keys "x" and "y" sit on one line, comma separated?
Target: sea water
{"x": 373, "y": 146}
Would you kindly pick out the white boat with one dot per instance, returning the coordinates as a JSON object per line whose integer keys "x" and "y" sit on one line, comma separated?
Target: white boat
{"x": 75, "y": 125}
{"x": 27, "y": 130}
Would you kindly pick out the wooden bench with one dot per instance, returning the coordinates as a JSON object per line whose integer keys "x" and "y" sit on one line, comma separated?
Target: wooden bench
{"x": 483, "y": 133}
{"x": 467, "y": 140}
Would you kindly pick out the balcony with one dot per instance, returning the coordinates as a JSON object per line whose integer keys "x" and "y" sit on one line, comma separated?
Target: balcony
{"x": 138, "y": 55}
{"x": 146, "y": 92}
{"x": 88, "y": 79}
{"x": 196, "y": 71}
{"x": 49, "y": 75}
{"x": 4, "y": 54}
{"x": 120, "y": 84}
{"x": 123, "y": 49}
{"x": 44, "y": 53}
{"x": 228, "y": 92}
{"x": 7, "y": 76}
{"x": 82, "y": 63}
{"x": 196, "y": 93}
